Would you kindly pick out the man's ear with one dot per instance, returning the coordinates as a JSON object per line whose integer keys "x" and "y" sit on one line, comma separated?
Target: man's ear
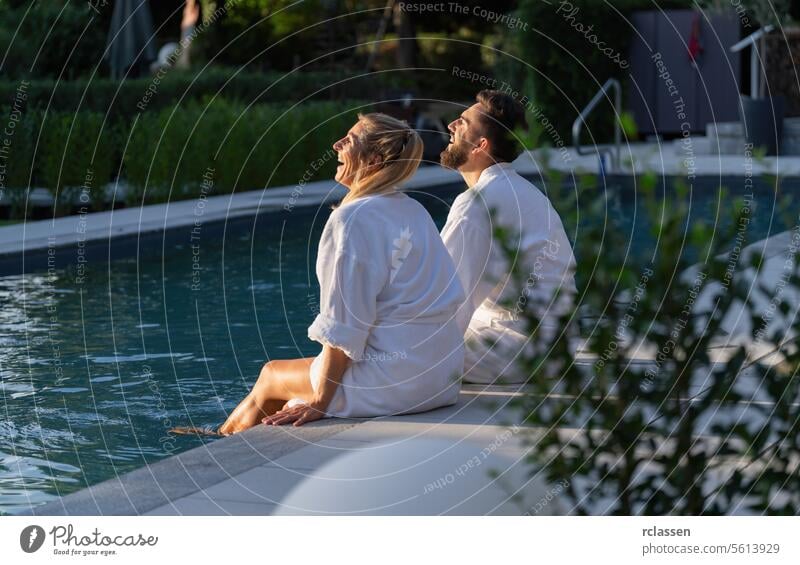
{"x": 482, "y": 145}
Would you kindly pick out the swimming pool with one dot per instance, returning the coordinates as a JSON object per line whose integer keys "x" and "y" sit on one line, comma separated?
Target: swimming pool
{"x": 94, "y": 369}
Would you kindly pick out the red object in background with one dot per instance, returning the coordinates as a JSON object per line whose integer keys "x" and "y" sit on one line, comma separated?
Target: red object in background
{"x": 695, "y": 48}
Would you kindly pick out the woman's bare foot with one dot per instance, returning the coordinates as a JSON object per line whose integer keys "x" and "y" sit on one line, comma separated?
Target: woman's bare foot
{"x": 248, "y": 414}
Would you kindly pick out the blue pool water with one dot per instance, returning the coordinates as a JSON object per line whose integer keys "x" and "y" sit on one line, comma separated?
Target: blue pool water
{"x": 94, "y": 373}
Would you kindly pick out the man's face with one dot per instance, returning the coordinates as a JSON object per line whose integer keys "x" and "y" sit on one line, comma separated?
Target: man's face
{"x": 465, "y": 135}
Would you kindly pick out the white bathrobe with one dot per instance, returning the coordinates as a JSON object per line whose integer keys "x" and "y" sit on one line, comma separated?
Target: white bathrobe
{"x": 494, "y": 333}
{"x": 388, "y": 299}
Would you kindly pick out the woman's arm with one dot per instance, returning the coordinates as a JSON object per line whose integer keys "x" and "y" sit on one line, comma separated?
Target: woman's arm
{"x": 334, "y": 364}
{"x": 348, "y": 291}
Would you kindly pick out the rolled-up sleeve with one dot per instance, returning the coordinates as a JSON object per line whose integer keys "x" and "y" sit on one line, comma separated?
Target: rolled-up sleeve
{"x": 349, "y": 287}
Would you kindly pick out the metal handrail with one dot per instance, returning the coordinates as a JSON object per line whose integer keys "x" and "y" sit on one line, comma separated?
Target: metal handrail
{"x": 581, "y": 119}
{"x": 750, "y": 41}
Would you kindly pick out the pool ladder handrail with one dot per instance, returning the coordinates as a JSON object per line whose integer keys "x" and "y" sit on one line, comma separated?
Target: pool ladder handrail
{"x": 581, "y": 119}
{"x": 752, "y": 41}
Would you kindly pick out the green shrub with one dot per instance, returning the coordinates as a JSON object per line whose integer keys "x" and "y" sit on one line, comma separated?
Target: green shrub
{"x": 249, "y": 148}
{"x": 165, "y": 155}
{"x": 77, "y": 151}
{"x": 20, "y": 171}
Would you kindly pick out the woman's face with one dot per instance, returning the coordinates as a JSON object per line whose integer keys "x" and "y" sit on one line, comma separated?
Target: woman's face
{"x": 348, "y": 150}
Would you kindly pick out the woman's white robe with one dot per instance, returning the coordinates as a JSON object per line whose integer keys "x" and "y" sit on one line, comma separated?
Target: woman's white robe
{"x": 388, "y": 298}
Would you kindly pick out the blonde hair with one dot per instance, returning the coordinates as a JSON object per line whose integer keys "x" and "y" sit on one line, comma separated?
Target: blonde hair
{"x": 399, "y": 148}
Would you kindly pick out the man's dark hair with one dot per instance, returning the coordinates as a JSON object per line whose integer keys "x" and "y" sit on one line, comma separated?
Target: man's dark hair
{"x": 501, "y": 115}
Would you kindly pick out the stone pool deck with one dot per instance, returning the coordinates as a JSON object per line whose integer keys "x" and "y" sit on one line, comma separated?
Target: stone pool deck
{"x": 254, "y": 473}
{"x": 250, "y": 473}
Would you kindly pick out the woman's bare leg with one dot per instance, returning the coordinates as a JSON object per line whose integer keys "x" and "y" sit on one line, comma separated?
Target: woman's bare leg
{"x": 278, "y": 382}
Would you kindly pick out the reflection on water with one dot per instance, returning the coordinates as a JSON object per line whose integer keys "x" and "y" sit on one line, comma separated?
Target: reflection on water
{"x": 94, "y": 373}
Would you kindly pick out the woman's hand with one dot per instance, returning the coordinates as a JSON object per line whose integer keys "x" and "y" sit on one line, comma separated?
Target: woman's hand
{"x": 299, "y": 414}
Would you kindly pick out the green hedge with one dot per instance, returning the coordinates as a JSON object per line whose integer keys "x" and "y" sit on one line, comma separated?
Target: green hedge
{"x": 265, "y": 145}
{"x": 164, "y": 155}
{"x": 63, "y": 152}
{"x": 77, "y": 150}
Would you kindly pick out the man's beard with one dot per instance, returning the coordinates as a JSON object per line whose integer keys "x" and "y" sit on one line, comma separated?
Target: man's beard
{"x": 454, "y": 155}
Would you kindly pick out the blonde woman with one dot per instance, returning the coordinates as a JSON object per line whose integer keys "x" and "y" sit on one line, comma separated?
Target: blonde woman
{"x": 388, "y": 298}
